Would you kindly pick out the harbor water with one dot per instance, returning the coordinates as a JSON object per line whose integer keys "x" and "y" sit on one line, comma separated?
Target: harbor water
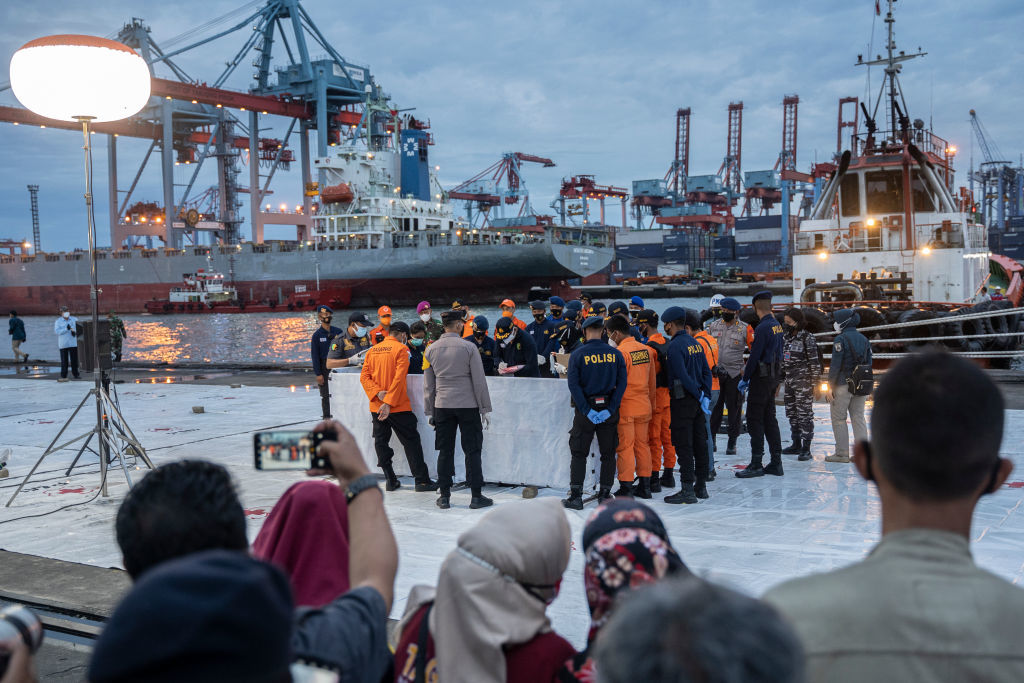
{"x": 254, "y": 337}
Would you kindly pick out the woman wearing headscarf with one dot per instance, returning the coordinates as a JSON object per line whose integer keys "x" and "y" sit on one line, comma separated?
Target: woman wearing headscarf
{"x": 486, "y": 620}
{"x": 801, "y": 368}
{"x": 306, "y": 535}
{"x": 625, "y": 547}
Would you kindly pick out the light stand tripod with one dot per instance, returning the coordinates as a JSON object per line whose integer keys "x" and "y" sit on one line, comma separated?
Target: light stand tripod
{"x": 113, "y": 435}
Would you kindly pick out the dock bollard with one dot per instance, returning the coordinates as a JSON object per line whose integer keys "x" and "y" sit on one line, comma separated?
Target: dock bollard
{"x": 198, "y": 409}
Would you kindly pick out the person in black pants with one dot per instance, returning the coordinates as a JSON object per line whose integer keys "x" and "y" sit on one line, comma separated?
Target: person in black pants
{"x": 597, "y": 381}
{"x": 762, "y": 376}
{"x": 319, "y": 346}
{"x": 689, "y": 384}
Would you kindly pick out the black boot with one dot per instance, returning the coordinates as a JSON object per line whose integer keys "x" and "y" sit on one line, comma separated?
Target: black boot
{"x": 754, "y": 469}
{"x": 655, "y": 479}
{"x": 700, "y": 489}
{"x": 775, "y": 466}
{"x": 794, "y": 447}
{"x": 424, "y": 486}
{"x": 603, "y": 494}
{"x": 392, "y": 481}
{"x": 712, "y": 475}
{"x": 685, "y": 495}
{"x": 480, "y": 501}
{"x": 444, "y": 501}
{"x": 643, "y": 488}
{"x": 805, "y": 450}
{"x": 575, "y": 499}
{"x": 730, "y": 448}
{"x": 667, "y": 480}
{"x": 625, "y": 489}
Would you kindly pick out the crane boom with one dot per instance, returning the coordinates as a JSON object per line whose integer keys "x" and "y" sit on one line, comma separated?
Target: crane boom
{"x": 988, "y": 146}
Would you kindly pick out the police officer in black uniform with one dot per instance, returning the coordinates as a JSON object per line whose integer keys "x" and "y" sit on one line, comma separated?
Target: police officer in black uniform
{"x": 347, "y": 348}
{"x": 319, "y": 345}
{"x": 761, "y": 377}
{"x": 620, "y": 308}
{"x": 515, "y": 348}
{"x": 572, "y": 336}
{"x": 543, "y": 332}
{"x": 597, "y": 381}
{"x": 488, "y": 349}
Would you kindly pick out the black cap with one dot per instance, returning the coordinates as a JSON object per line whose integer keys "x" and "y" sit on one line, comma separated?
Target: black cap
{"x": 647, "y": 316}
{"x": 574, "y": 305}
{"x": 618, "y": 308}
{"x": 448, "y": 317}
{"x": 764, "y": 294}
{"x": 481, "y": 323}
{"x": 591, "y": 321}
{"x": 458, "y": 303}
{"x": 503, "y": 324}
{"x": 324, "y": 308}
{"x": 398, "y": 326}
{"x": 538, "y": 305}
{"x": 584, "y": 295}
{"x": 598, "y": 308}
{"x": 360, "y": 318}
{"x": 673, "y": 314}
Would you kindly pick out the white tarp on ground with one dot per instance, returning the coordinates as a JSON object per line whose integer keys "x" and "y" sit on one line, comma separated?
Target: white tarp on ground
{"x": 527, "y": 442}
{"x": 751, "y": 534}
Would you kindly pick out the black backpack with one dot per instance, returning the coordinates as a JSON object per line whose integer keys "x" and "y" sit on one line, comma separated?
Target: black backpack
{"x": 861, "y": 381}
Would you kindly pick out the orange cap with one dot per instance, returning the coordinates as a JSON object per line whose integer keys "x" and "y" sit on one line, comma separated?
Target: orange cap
{"x": 384, "y": 312}
{"x": 508, "y": 302}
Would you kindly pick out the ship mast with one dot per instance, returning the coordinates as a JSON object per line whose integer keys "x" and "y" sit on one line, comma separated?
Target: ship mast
{"x": 891, "y": 89}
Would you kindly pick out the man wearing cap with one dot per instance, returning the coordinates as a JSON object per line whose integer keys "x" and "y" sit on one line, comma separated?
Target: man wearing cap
{"x": 689, "y": 380}
{"x": 508, "y": 310}
{"x": 467, "y": 316}
{"x": 543, "y": 334}
{"x": 663, "y": 453}
{"x": 620, "y": 308}
{"x": 734, "y": 337}
{"x": 585, "y": 302}
{"x": 517, "y": 354}
{"x": 66, "y": 329}
{"x": 486, "y": 346}
{"x": 384, "y": 380}
{"x": 433, "y": 325}
{"x": 715, "y": 310}
{"x": 455, "y": 398}
{"x": 572, "y": 336}
{"x": 636, "y": 304}
{"x": 597, "y": 382}
{"x": 380, "y": 332}
{"x": 633, "y": 454}
{"x": 557, "y": 306}
{"x": 349, "y": 347}
{"x": 319, "y": 346}
{"x": 762, "y": 375}
{"x": 558, "y": 327}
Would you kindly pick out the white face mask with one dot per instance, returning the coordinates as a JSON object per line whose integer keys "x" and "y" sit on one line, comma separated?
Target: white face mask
{"x": 66, "y": 314}
{"x": 425, "y": 317}
{"x": 361, "y": 331}
{"x": 837, "y": 327}
{"x": 611, "y": 343}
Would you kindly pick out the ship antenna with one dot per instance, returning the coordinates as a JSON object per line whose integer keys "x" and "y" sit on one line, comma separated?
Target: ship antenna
{"x": 891, "y": 90}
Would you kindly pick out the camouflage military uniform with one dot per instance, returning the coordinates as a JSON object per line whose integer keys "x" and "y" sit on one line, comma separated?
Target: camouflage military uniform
{"x": 117, "y": 335}
{"x": 801, "y": 367}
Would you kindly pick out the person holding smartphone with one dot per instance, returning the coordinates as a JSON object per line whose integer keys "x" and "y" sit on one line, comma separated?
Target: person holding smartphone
{"x": 66, "y": 329}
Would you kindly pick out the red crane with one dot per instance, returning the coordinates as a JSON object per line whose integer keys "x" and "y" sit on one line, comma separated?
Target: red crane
{"x": 583, "y": 188}
{"x": 500, "y": 183}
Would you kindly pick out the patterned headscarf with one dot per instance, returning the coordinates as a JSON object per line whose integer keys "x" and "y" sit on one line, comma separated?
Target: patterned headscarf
{"x": 626, "y": 547}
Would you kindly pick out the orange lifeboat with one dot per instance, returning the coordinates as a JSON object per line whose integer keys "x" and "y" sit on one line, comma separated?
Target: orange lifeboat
{"x": 337, "y": 194}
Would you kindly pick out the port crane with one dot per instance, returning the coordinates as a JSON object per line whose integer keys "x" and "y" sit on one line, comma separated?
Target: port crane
{"x": 498, "y": 185}
{"x": 1002, "y": 185}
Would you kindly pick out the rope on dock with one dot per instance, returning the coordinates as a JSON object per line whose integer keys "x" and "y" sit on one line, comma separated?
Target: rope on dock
{"x": 901, "y": 340}
{"x": 934, "y": 321}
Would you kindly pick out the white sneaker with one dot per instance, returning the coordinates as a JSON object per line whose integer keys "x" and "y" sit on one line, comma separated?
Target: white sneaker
{"x": 837, "y": 458}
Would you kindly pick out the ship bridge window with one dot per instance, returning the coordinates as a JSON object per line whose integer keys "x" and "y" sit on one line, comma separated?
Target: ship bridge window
{"x": 884, "y": 191}
{"x": 923, "y": 201}
{"x": 849, "y": 195}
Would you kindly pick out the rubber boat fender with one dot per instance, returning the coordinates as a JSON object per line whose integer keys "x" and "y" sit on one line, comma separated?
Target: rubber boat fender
{"x": 919, "y": 330}
{"x": 167, "y": 307}
{"x": 952, "y": 327}
{"x": 181, "y": 307}
{"x": 291, "y": 307}
{"x": 815, "y": 320}
{"x": 273, "y": 304}
{"x": 979, "y": 325}
{"x": 869, "y": 317}
{"x": 1001, "y": 325}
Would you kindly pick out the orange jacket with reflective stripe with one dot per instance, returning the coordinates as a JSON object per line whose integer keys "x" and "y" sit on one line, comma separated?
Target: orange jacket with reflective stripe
{"x": 710, "y": 353}
{"x": 385, "y": 369}
{"x": 640, "y": 398}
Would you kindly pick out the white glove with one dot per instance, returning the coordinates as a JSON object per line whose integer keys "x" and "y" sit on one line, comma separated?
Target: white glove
{"x": 485, "y": 420}
{"x": 541, "y": 360}
{"x": 502, "y": 366}
{"x": 559, "y": 368}
{"x": 357, "y": 360}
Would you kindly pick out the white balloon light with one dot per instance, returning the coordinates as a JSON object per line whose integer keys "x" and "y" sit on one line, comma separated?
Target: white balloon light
{"x": 73, "y": 77}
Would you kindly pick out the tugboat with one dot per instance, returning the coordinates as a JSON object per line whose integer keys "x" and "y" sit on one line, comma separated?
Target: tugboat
{"x": 205, "y": 292}
{"x": 888, "y": 233}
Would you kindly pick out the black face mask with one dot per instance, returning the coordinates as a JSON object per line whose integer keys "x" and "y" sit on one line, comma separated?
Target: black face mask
{"x": 790, "y": 329}
{"x": 728, "y": 317}
{"x": 326, "y": 320}
{"x": 556, "y": 312}
{"x": 480, "y": 335}
{"x": 539, "y": 317}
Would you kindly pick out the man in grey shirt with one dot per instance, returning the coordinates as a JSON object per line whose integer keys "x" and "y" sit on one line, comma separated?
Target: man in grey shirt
{"x": 455, "y": 397}
{"x": 918, "y": 608}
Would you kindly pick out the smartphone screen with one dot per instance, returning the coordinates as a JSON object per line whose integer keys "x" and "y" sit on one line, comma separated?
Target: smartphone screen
{"x": 288, "y": 449}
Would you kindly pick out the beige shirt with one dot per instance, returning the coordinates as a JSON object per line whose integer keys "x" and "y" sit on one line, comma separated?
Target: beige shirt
{"x": 916, "y": 609}
{"x": 454, "y": 376}
{"x": 733, "y": 339}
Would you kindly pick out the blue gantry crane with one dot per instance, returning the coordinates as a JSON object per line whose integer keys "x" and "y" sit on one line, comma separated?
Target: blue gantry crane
{"x": 1002, "y": 184}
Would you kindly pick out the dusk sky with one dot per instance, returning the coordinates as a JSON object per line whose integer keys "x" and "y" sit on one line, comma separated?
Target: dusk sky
{"x": 594, "y": 85}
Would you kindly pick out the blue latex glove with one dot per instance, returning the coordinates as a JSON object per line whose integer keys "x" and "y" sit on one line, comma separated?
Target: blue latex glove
{"x": 705, "y": 404}
{"x": 595, "y": 417}
{"x": 742, "y": 386}
{"x": 604, "y": 415}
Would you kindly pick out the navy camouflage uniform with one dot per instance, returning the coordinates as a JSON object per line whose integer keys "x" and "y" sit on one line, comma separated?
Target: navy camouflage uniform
{"x": 801, "y": 367}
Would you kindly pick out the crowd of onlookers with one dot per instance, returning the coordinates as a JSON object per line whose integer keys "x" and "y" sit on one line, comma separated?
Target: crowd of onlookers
{"x": 310, "y": 599}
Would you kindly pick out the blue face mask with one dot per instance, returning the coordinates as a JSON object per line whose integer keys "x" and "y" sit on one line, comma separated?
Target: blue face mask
{"x": 361, "y": 331}
{"x": 416, "y": 342}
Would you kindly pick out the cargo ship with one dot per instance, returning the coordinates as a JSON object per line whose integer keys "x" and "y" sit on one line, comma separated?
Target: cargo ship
{"x": 385, "y": 232}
